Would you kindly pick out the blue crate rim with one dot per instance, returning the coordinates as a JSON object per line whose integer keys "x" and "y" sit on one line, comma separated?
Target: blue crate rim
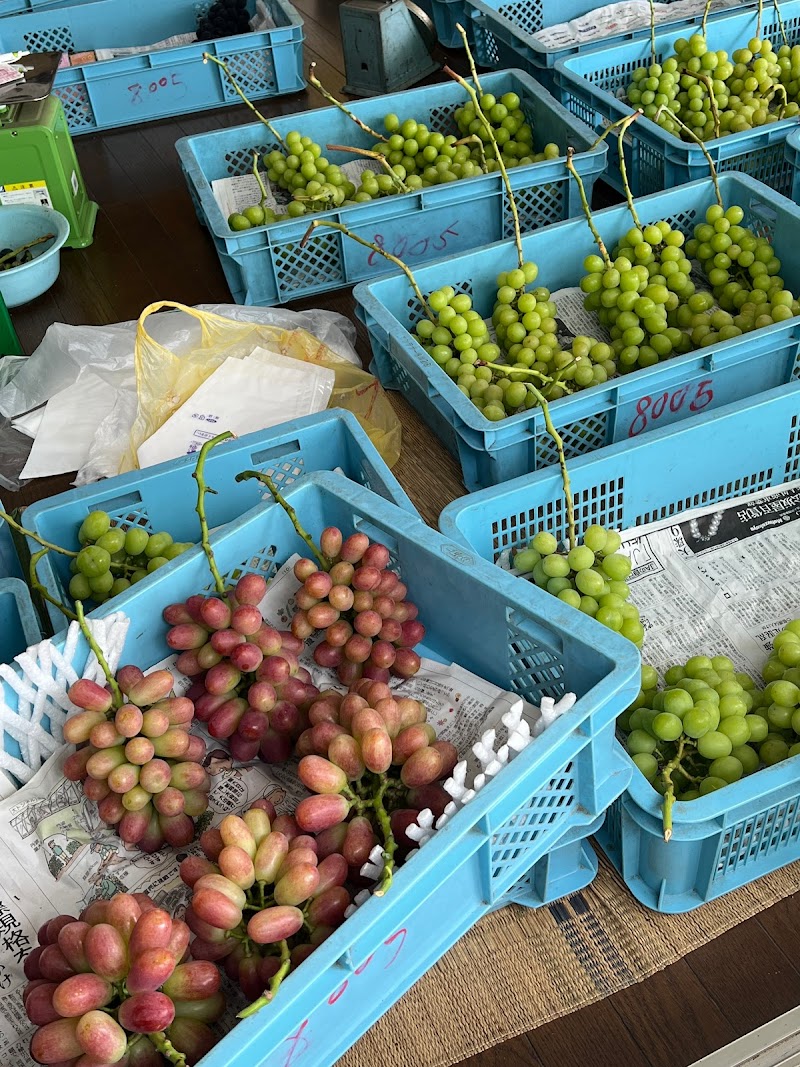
{"x": 586, "y": 160}
{"x": 447, "y": 521}
{"x": 471, "y": 416}
{"x": 271, "y": 436}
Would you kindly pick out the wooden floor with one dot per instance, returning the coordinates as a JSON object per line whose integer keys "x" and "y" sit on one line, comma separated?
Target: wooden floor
{"x": 149, "y": 246}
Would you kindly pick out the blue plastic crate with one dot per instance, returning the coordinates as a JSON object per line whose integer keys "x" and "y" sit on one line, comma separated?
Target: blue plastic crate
{"x": 587, "y": 82}
{"x": 446, "y": 15}
{"x": 503, "y": 32}
{"x": 163, "y": 497}
{"x": 153, "y": 85}
{"x": 19, "y": 627}
{"x": 746, "y": 830}
{"x": 264, "y": 265}
{"x": 530, "y": 643}
{"x": 493, "y": 452}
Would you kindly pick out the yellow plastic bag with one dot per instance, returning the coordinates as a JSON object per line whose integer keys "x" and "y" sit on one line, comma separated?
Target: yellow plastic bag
{"x": 165, "y": 381}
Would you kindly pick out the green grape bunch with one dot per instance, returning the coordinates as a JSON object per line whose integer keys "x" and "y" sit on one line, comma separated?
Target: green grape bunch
{"x": 710, "y": 725}
{"x": 634, "y": 293}
{"x": 112, "y": 559}
{"x": 744, "y": 274}
{"x": 416, "y": 157}
{"x": 715, "y": 94}
{"x": 495, "y": 372}
{"x": 591, "y": 577}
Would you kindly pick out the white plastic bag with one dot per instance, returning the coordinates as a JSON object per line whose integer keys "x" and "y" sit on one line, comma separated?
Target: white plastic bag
{"x": 109, "y": 351}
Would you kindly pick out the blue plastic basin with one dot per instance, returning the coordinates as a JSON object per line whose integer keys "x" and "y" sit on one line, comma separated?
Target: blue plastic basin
{"x": 20, "y": 223}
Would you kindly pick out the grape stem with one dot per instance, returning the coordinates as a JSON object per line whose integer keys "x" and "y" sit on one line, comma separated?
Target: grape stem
{"x": 274, "y": 984}
{"x": 473, "y": 138}
{"x": 314, "y": 80}
{"x": 773, "y": 91}
{"x": 758, "y": 20}
{"x": 700, "y": 145}
{"x": 470, "y": 59}
{"x": 324, "y": 563}
{"x": 610, "y": 129}
{"x": 653, "y": 31}
{"x": 505, "y": 370}
{"x": 490, "y": 132}
{"x": 257, "y": 176}
{"x": 35, "y": 537}
{"x": 23, "y": 248}
{"x": 384, "y": 162}
{"x": 237, "y": 89}
{"x": 780, "y": 22}
{"x": 381, "y": 251}
{"x": 705, "y": 80}
{"x": 40, "y": 589}
{"x": 586, "y": 209}
{"x": 623, "y": 170}
{"x": 200, "y": 507}
{"x": 113, "y": 684}
{"x": 706, "y": 10}
{"x": 669, "y": 795}
{"x": 389, "y": 842}
{"x": 163, "y": 1044}
{"x": 562, "y": 462}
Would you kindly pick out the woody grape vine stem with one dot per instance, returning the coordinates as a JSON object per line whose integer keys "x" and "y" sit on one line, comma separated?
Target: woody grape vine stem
{"x": 586, "y": 209}
{"x": 375, "y": 248}
{"x": 701, "y": 146}
{"x": 314, "y": 80}
{"x": 243, "y": 476}
{"x": 384, "y": 162}
{"x": 490, "y": 133}
{"x": 23, "y": 248}
{"x": 623, "y": 170}
{"x": 240, "y": 92}
{"x": 199, "y": 476}
{"x": 669, "y": 795}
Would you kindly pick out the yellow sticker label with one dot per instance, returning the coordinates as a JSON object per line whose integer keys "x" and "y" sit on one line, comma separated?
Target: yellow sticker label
{"x": 25, "y": 185}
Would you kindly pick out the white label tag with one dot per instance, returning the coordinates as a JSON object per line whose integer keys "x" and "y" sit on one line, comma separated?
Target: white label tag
{"x": 26, "y": 193}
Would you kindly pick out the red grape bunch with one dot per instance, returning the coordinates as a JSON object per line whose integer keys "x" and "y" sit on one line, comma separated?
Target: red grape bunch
{"x": 117, "y": 986}
{"x": 372, "y": 763}
{"x": 360, "y": 604}
{"x": 250, "y": 687}
{"x": 138, "y": 761}
{"x": 264, "y": 896}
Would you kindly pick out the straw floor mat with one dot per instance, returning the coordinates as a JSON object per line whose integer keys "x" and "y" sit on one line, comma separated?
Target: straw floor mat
{"x": 518, "y": 969}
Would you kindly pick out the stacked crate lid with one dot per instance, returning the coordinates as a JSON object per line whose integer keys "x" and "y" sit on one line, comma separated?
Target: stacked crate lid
{"x": 154, "y": 84}
{"x": 728, "y": 838}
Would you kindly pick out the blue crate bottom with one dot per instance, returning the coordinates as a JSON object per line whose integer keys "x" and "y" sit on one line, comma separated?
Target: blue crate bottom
{"x": 569, "y": 867}
{"x": 672, "y": 877}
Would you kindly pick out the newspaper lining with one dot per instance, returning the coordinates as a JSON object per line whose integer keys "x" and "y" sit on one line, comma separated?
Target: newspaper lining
{"x": 621, "y": 18}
